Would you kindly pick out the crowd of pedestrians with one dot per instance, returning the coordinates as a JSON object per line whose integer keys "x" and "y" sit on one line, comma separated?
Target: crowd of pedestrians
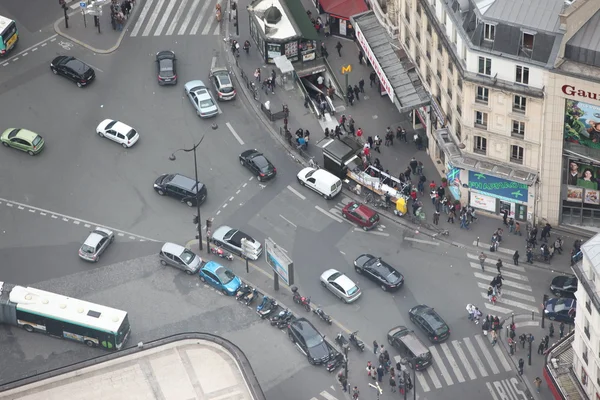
{"x": 119, "y": 13}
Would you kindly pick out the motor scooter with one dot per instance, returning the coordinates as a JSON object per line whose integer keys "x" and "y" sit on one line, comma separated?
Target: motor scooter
{"x": 283, "y": 317}
{"x": 341, "y": 340}
{"x": 356, "y": 341}
{"x": 303, "y": 301}
{"x": 335, "y": 361}
{"x": 221, "y": 253}
{"x": 266, "y": 307}
{"x": 322, "y": 315}
{"x": 242, "y": 292}
{"x": 249, "y": 298}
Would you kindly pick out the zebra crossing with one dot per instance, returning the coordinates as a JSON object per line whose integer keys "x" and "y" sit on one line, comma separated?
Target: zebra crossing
{"x": 517, "y": 295}
{"x": 176, "y": 18}
{"x": 337, "y": 212}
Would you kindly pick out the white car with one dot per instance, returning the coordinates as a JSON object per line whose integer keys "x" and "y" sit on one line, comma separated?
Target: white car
{"x": 340, "y": 285}
{"x": 118, "y": 132}
{"x": 321, "y": 181}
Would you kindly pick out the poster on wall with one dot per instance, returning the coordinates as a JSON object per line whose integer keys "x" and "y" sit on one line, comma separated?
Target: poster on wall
{"x": 582, "y": 124}
{"x": 483, "y": 202}
{"x": 574, "y": 194}
{"x": 273, "y": 50}
{"x": 582, "y": 174}
{"x": 503, "y": 189}
{"x": 591, "y": 197}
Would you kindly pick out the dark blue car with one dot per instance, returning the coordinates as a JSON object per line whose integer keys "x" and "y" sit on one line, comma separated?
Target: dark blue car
{"x": 561, "y": 310}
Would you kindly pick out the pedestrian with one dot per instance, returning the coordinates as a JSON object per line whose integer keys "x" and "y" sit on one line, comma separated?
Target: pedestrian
{"x": 361, "y": 85}
{"x": 380, "y": 373}
{"x": 538, "y": 383}
{"x": 351, "y": 125}
{"x": 516, "y": 257}
{"x": 342, "y": 380}
{"x": 413, "y": 165}
{"x": 337, "y": 132}
{"x": 342, "y": 121}
{"x": 540, "y": 349}
{"x": 392, "y": 383}
{"x": 421, "y": 185}
{"x": 494, "y": 338}
{"x": 436, "y": 217}
{"x": 546, "y": 342}
{"x": 490, "y": 295}
{"x": 482, "y": 258}
{"x": 375, "y": 346}
{"x": 511, "y": 225}
{"x": 401, "y": 384}
{"x": 546, "y": 232}
{"x": 521, "y": 365}
{"x": 529, "y": 254}
{"x": 464, "y": 224}
{"x": 561, "y": 330}
{"x": 370, "y": 141}
{"x": 257, "y": 74}
{"x": 360, "y": 57}
{"x": 451, "y": 215}
{"x": 372, "y": 78}
{"x": 356, "y": 92}
{"x": 420, "y": 172}
{"x": 338, "y": 47}
{"x": 499, "y": 266}
{"x": 327, "y": 29}
{"x": 359, "y": 132}
{"x": 505, "y": 217}
{"x": 407, "y": 173}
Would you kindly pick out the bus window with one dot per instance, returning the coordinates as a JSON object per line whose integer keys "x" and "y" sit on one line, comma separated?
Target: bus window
{"x": 8, "y": 35}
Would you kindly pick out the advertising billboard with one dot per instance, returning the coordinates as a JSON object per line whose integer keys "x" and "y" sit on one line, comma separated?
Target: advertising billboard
{"x": 582, "y": 124}
{"x": 499, "y": 188}
{"x": 277, "y": 259}
{"x": 583, "y": 182}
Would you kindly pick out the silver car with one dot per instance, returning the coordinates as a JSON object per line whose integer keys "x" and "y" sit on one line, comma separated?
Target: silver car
{"x": 201, "y": 99}
{"x": 95, "y": 244}
{"x": 340, "y": 285}
{"x": 179, "y": 257}
{"x": 231, "y": 240}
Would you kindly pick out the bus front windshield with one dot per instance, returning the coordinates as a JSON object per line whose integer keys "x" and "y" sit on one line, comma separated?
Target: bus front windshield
{"x": 8, "y": 32}
{"x": 123, "y": 331}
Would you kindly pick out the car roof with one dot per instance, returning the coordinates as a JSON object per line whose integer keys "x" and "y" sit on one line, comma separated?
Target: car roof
{"x": 342, "y": 280}
{"x": 250, "y": 152}
{"x": 183, "y": 182}
{"x": 212, "y": 266}
{"x": 410, "y": 338}
{"x": 326, "y": 176}
{"x": 219, "y": 71}
{"x": 305, "y": 324}
{"x": 26, "y": 134}
{"x": 194, "y": 84}
{"x": 60, "y": 60}
{"x": 430, "y": 316}
{"x": 165, "y": 54}
{"x": 172, "y": 248}
{"x": 365, "y": 211}
{"x": 93, "y": 239}
{"x": 121, "y": 127}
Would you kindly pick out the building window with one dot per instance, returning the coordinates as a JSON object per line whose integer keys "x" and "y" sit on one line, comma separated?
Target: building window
{"x": 586, "y": 328}
{"x": 440, "y": 48}
{"x": 428, "y": 77}
{"x": 418, "y": 9}
{"x": 482, "y": 94}
{"x": 418, "y": 61}
{"x": 588, "y": 306}
{"x": 519, "y": 104}
{"x": 584, "y": 355}
{"x": 516, "y": 154}
{"x": 584, "y": 377}
{"x": 428, "y": 51}
{"x": 527, "y": 41}
{"x": 489, "y": 32}
{"x": 433, "y": 3}
{"x": 480, "y": 145}
{"x": 449, "y": 92}
{"x": 597, "y": 378}
{"x": 444, "y": 16}
{"x": 418, "y": 33}
{"x": 429, "y": 28}
{"x": 454, "y": 34}
{"x": 450, "y": 68}
{"x": 439, "y": 69}
{"x": 481, "y": 119}
{"x": 407, "y": 10}
{"x": 485, "y": 66}
{"x": 458, "y": 130}
{"x": 459, "y": 83}
{"x": 522, "y": 75}
{"x": 407, "y": 42}
{"x": 458, "y": 108}
{"x": 518, "y": 129}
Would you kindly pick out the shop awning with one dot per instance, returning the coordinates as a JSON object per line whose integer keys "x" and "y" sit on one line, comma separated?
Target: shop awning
{"x": 298, "y": 14}
{"x": 344, "y": 8}
{"x": 397, "y": 75}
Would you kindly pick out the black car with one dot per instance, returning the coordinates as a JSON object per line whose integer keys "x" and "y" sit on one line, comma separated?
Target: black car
{"x": 564, "y": 286}
{"x": 430, "y": 322}
{"x": 561, "y": 310}
{"x": 309, "y": 341}
{"x": 165, "y": 62}
{"x": 258, "y": 164}
{"x": 410, "y": 347}
{"x": 378, "y": 271}
{"x": 73, "y": 69}
{"x": 181, "y": 187}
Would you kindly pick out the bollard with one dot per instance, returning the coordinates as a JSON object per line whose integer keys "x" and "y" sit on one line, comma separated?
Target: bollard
{"x": 532, "y": 315}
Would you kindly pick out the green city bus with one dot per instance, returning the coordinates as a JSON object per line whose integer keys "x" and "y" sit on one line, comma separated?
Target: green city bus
{"x": 8, "y": 35}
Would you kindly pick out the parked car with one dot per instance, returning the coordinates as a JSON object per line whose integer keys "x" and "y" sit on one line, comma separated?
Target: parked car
{"x": 184, "y": 189}
{"x": 258, "y": 164}
{"x": 430, "y": 322}
{"x": 201, "y": 99}
{"x": 564, "y": 286}
{"x": 166, "y": 65}
{"x": 321, "y": 181}
{"x": 340, "y": 285}
{"x": 561, "y": 310}
{"x": 118, "y": 132}
{"x": 96, "y": 243}
{"x": 411, "y": 348}
{"x": 378, "y": 271}
{"x": 309, "y": 341}
{"x": 22, "y": 139}
{"x": 220, "y": 278}
{"x": 364, "y": 216}
{"x": 180, "y": 257}
{"x": 73, "y": 69}
{"x": 231, "y": 239}
{"x": 223, "y": 84}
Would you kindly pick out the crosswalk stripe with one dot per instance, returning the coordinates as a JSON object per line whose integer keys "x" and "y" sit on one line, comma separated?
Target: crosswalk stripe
{"x": 503, "y": 359}
{"x": 463, "y": 359}
{"x": 434, "y": 378}
{"x": 440, "y": 364}
{"x": 200, "y": 18}
{"x": 163, "y": 20}
{"x": 487, "y": 354}
{"x": 452, "y": 362}
{"x": 140, "y": 21}
{"x": 492, "y": 391}
{"x": 505, "y": 282}
{"x": 475, "y": 357}
{"x": 176, "y": 17}
{"x": 500, "y": 248}
{"x": 511, "y": 293}
{"x": 217, "y": 30}
{"x": 188, "y": 18}
{"x": 153, "y": 17}
{"x": 497, "y": 309}
{"x": 423, "y": 382}
{"x": 208, "y": 24}
{"x": 504, "y": 273}
{"x": 492, "y": 262}
{"x": 513, "y": 303}
{"x": 327, "y": 395}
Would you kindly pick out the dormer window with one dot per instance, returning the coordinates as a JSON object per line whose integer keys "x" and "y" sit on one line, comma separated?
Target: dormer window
{"x": 489, "y": 32}
{"x": 527, "y": 41}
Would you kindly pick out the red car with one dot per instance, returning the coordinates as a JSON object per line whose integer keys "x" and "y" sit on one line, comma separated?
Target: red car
{"x": 361, "y": 214}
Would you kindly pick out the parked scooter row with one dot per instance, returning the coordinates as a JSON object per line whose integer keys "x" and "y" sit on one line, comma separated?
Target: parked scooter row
{"x": 303, "y": 301}
{"x": 341, "y": 340}
{"x": 267, "y": 307}
{"x": 246, "y": 294}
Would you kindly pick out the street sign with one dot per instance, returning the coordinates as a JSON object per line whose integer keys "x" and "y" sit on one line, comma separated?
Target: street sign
{"x": 346, "y": 69}
{"x": 82, "y": 4}
{"x": 91, "y": 11}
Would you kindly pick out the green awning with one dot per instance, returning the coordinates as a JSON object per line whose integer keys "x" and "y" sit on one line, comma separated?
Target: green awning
{"x": 298, "y": 13}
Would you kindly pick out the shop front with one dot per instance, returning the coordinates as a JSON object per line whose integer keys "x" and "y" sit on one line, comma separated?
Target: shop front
{"x": 338, "y": 14}
{"x": 494, "y": 195}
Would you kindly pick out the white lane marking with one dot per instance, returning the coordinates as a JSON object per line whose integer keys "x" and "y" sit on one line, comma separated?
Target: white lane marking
{"x": 234, "y": 133}
{"x": 297, "y": 193}
{"x": 65, "y": 219}
{"x": 24, "y": 54}
{"x": 231, "y": 199}
{"x": 502, "y": 359}
{"x": 327, "y": 396}
{"x": 54, "y": 217}
{"x": 505, "y": 282}
{"x": 288, "y": 221}
{"x": 163, "y": 20}
{"x": 463, "y": 359}
{"x": 210, "y": 21}
{"x": 371, "y": 232}
{"x": 224, "y": 205}
{"x": 9, "y": 204}
{"x": 16, "y": 58}
{"x": 493, "y": 261}
{"x": 497, "y": 309}
{"x": 422, "y": 241}
{"x": 511, "y": 293}
{"x": 120, "y": 234}
{"x": 487, "y": 354}
{"x": 176, "y": 18}
{"x": 153, "y": 17}
{"x": 492, "y": 391}
{"x": 504, "y": 273}
{"x": 218, "y": 212}
{"x": 422, "y": 381}
{"x": 434, "y": 378}
{"x": 201, "y": 17}
{"x": 440, "y": 364}
{"x": 512, "y": 303}
{"x": 238, "y": 192}
{"x": 140, "y": 21}
{"x": 87, "y": 225}
{"x": 43, "y": 213}
{"x": 32, "y": 50}
{"x": 188, "y": 18}
{"x": 333, "y": 217}
{"x": 475, "y": 357}
{"x": 452, "y": 362}
{"x": 74, "y": 6}
{"x": 213, "y": 62}
{"x": 21, "y": 208}
{"x": 42, "y": 43}
{"x": 216, "y": 32}
{"x": 244, "y": 185}
{"x": 527, "y": 323}
{"x": 76, "y": 222}
{"x": 31, "y": 211}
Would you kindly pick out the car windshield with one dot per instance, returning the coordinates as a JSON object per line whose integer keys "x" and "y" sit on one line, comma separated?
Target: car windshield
{"x": 353, "y": 207}
{"x": 87, "y": 249}
{"x": 226, "y": 89}
{"x": 37, "y": 140}
{"x": 224, "y": 275}
{"x": 131, "y": 134}
{"x": 570, "y": 282}
{"x": 229, "y": 234}
{"x": 110, "y": 124}
{"x": 310, "y": 173}
{"x": 123, "y": 330}
{"x": 206, "y": 103}
{"x": 313, "y": 340}
{"x": 224, "y": 79}
{"x": 334, "y": 276}
{"x": 13, "y": 133}
{"x": 561, "y": 305}
{"x": 187, "y": 256}
{"x": 352, "y": 290}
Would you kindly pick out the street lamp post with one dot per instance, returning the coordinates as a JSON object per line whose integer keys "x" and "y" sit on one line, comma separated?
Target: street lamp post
{"x": 173, "y": 158}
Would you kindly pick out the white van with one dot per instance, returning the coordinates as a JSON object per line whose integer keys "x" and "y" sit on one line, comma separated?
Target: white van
{"x": 321, "y": 181}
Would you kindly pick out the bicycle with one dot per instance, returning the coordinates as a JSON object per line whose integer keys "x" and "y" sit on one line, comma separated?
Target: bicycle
{"x": 255, "y": 92}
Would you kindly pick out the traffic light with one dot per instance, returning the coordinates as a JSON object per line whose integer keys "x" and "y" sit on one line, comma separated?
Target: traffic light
{"x": 208, "y": 223}
{"x": 196, "y": 220}
{"x": 63, "y": 4}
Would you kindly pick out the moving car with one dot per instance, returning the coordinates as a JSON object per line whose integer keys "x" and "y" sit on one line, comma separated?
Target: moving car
{"x": 221, "y": 80}
{"x": 361, "y": 214}
{"x": 95, "y": 244}
{"x": 73, "y": 69}
{"x": 411, "y": 348}
{"x": 258, "y": 164}
{"x": 378, "y": 271}
{"x": 220, "y": 278}
{"x": 179, "y": 257}
{"x": 309, "y": 341}
{"x": 340, "y": 285}
{"x": 201, "y": 99}
{"x": 564, "y": 286}
{"x": 430, "y": 323}
{"x": 165, "y": 63}
{"x": 561, "y": 310}
{"x": 321, "y": 181}
{"x": 184, "y": 189}
{"x": 231, "y": 239}
{"x": 22, "y": 139}
{"x": 118, "y": 132}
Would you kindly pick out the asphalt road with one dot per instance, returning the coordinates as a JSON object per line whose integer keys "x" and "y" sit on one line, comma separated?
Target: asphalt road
{"x": 32, "y": 16}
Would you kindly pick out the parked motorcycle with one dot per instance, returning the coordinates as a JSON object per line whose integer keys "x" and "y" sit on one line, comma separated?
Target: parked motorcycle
{"x": 341, "y": 340}
{"x": 356, "y": 341}
{"x": 242, "y": 292}
{"x": 266, "y": 307}
{"x": 335, "y": 361}
{"x": 282, "y": 318}
{"x": 221, "y": 253}
{"x": 250, "y": 297}
{"x": 322, "y": 315}
{"x": 303, "y": 301}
